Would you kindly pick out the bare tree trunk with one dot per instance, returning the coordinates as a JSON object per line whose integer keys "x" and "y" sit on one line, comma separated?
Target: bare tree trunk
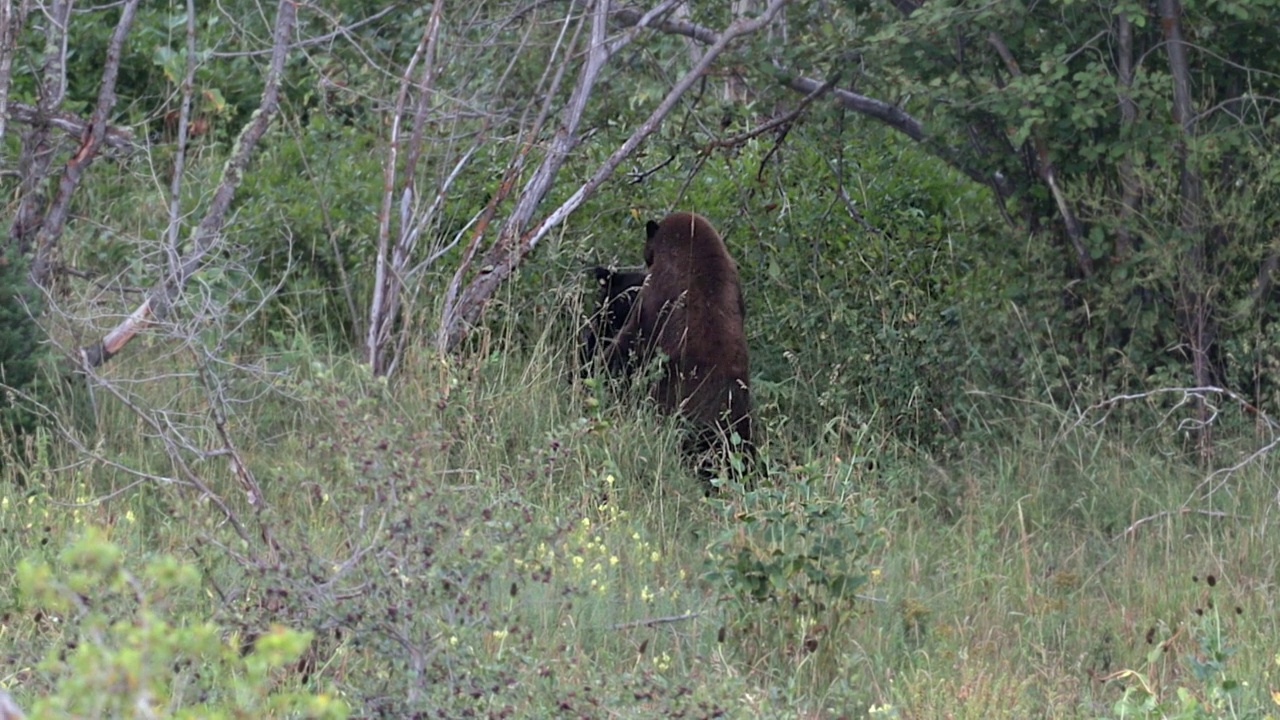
{"x": 207, "y": 234}
{"x": 55, "y": 218}
{"x": 883, "y": 112}
{"x": 1128, "y": 116}
{"x": 514, "y": 243}
{"x": 1197, "y": 305}
{"x": 37, "y": 146}
{"x": 11, "y": 20}
{"x": 392, "y": 262}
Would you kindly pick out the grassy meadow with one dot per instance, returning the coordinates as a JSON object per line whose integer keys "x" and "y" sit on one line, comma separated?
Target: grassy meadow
{"x": 490, "y": 536}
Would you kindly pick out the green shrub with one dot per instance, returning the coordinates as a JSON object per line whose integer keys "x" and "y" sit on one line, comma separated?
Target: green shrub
{"x": 789, "y": 563}
{"x": 119, "y": 646}
{"x": 1208, "y": 690}
{"x": 21, "y": 352}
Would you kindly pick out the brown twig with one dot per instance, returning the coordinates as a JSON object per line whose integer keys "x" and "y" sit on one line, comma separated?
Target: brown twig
{"x": 55, "y": 216}
{"x": 649, "y": 622}
{"x": 208, "y": 233}
{"x": 1169, "y": 513}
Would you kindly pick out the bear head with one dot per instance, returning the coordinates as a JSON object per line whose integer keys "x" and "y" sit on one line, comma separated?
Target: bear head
{"x": 616, "y": 293}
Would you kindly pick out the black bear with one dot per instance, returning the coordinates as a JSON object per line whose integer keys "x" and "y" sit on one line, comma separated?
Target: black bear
{"x": 690, "y": 308}
{"x": 616, "y": 292}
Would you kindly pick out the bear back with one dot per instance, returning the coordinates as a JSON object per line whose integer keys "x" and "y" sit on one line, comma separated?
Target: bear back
{"x": 691, "y": 308}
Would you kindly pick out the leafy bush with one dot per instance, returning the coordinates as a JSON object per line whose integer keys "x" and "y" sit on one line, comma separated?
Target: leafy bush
{"x": 120, "y": 647}
{"x": 789, "y": 563}
{"x": 1208, "y": 690}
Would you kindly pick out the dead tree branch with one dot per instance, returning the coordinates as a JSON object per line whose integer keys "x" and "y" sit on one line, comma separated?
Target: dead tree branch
{"x": 55, "y": 218}
{"x": 37, "y": 146}
{"x": 650, "y": 622}
{"x": 884, "y": 112}
{"x": 11, "y": 20}
{"x": 513, "y": 244}
{"x": 208, "y": 233}
{"x": 775, "y": 122}
{"x": 1168, "y": 513}
{"x": 115, "y": 137}
{"x": 391, "y": 262}
{"x": 1207, "y": 413}
{"x": 180, "y": 154}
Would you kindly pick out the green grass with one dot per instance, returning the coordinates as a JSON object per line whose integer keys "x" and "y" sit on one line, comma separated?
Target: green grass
{"x": 482, "y": 536}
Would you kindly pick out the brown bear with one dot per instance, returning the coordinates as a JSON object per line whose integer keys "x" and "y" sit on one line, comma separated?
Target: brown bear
{"x": 616, "y": 292}
{"x": 690, "y": 308}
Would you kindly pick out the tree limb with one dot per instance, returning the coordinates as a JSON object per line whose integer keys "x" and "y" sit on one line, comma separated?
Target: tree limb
{"x": 116, "y": 137}
{"x": 510, "y": 247}
{"x": 774, "y": 122}
{"x": 886, "y": 113}
{"x": 37, "y": 149}
{"x": 1048, "y": 171}
{"x": 180, "y": 154}
{"x": 55, "y": 218}
{"x": 206, "y": 235}
{"x": 650, "y": 622}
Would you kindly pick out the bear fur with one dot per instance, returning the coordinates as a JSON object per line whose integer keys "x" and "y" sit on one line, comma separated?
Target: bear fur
{"x": 616, "y": 292}
{"x": 690, "y": 308}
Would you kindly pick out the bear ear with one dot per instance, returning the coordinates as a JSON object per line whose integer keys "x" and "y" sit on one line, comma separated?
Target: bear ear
{"x": 650, "y": 229}
{"x": 602, "y": 274}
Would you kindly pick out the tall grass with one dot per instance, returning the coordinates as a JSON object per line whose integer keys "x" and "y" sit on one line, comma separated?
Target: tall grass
{"x": 489, "y": 534}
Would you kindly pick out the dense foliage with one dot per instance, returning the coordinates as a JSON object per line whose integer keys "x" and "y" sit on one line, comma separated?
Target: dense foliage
{"x": 20, "y": 343}
{"x": 1154, "y": 264}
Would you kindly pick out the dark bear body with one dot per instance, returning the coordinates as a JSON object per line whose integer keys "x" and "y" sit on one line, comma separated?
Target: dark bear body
{"x": 616, "y": 292}
{"x": 691, "y": 309}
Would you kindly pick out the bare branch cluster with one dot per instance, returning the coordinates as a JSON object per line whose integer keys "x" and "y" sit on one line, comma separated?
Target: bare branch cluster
{"x": 1204, "y": 403}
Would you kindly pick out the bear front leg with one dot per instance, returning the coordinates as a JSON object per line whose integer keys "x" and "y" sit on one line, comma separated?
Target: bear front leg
{"x": 619, "y": 354}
